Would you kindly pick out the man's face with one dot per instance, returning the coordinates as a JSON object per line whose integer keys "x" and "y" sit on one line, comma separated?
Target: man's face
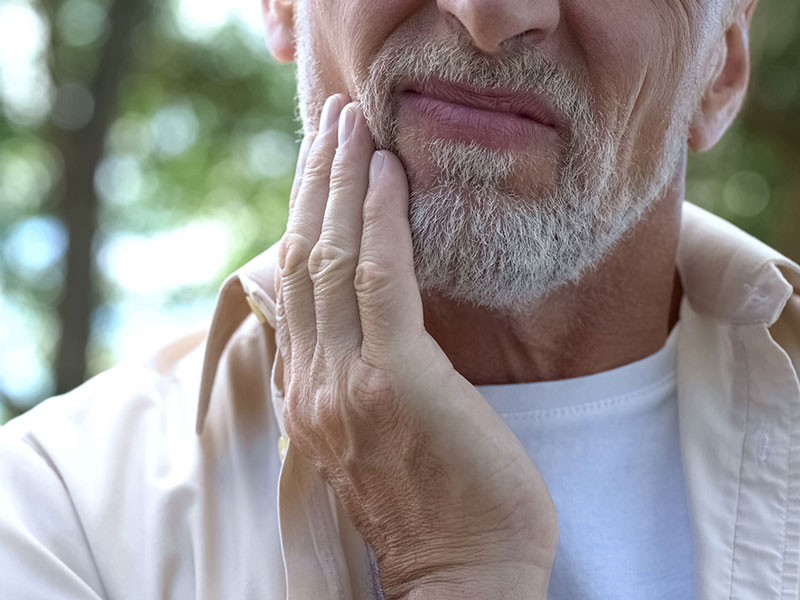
{"x": 588, "y": 110}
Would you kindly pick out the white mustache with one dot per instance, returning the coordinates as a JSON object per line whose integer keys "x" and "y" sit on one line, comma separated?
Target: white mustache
{"x": 520, "y": 69}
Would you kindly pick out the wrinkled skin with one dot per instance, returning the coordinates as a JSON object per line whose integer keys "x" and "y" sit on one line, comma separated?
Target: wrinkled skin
{"x": 428, "y": 473}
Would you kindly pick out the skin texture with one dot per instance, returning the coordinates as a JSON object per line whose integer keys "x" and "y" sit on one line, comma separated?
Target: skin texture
{"x": 429, "y": 474}
{"x": 380, "y": 392}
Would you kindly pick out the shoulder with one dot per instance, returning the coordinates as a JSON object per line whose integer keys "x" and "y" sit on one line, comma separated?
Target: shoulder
{"x": 111, "y": 489}
{"x": 732, "y": 280}
{"x": 115, "y": 421}
{"x": 69, "y": 466}
{"x": 730, "y": 275}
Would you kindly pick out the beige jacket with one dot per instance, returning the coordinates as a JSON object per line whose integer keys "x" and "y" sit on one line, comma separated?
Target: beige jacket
{"x": 127, "y": 487}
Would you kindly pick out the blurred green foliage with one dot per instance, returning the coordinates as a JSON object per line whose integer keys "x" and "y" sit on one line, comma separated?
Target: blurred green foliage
{"x": 752, "y": 177}
{"x": 204, "y": 129}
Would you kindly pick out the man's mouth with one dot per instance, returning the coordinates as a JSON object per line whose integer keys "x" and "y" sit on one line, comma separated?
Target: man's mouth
{"x": 494, "y": 118}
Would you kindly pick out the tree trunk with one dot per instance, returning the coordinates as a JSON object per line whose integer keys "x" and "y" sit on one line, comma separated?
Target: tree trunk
{"x": 81, "y": 151}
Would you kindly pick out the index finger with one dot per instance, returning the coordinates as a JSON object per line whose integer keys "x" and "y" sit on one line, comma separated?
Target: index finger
{"x": 302, "y": 157}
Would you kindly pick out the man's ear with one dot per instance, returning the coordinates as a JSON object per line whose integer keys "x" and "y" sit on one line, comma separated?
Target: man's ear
{"x": 727, "y": 87}
{"x": 279, "y": 28}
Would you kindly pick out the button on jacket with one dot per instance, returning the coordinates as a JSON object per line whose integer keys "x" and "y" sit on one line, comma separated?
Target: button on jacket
{"x": 173, "y": 478}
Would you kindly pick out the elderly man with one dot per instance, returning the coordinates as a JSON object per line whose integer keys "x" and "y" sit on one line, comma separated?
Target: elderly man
{"x": 493, "y": 356}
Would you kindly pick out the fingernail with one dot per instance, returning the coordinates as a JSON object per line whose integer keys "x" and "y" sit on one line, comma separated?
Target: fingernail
{"x": 346, "y": 123}
{"x": 330, "y": 114}
{"x": 376, "y": 165}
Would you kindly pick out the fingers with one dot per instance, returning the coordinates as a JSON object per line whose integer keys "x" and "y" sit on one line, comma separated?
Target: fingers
{"x": 333, "y": 260}
{"x": 302, "y": 232}
{"x": 280, "y": 313}
{"x": 346, "y": 281}
{"x": 302, "y": 157}
{"x": 282, "y": 330}
{"x": 389, "y": 301}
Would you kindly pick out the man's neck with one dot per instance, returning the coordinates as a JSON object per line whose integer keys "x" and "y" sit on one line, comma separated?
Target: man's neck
{"x": 618, "y": 313}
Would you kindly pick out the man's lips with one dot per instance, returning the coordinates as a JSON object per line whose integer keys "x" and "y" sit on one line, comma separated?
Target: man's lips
{"x": 494, "y": 118}
{"x": 529, "y": 106}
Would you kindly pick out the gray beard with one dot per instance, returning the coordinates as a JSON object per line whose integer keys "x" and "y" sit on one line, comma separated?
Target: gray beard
{"x": 476, "y": 239}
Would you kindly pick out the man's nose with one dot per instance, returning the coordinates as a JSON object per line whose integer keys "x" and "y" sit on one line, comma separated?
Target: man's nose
{"x": 492, "y": 22}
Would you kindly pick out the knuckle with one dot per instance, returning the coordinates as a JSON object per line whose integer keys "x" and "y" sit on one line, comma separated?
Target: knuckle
{"x": 327, "y": 260}
{"x": 371, "y": 278}
{"x": 325, "y": 418}
{"x": 311, "y": 411}
{"x": 293, "y": 252}
{"x": 368, "y": 384}
{"x": 372, "y": 393}
{"x": 342, "y": 174}
{"x": 292, "y": 402}
{"x": 297, "y": 417}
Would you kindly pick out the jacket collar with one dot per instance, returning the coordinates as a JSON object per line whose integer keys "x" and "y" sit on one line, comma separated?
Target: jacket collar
{"x": 248, "y": 289}
{"x": 725, "y": 273}
{"x": 728, "y": 274}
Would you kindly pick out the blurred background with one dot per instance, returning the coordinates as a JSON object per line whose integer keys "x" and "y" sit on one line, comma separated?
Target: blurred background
{"x": 147, "y": 150}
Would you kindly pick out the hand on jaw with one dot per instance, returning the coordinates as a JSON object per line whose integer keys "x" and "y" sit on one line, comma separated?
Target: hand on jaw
{"x": 429, "y": 474}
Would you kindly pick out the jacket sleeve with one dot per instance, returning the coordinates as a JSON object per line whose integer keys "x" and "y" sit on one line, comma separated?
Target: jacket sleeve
{"x": 43, "y": 550}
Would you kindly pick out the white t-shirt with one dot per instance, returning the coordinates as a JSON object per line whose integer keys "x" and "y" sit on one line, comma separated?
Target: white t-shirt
{"x": 608, "y": 447}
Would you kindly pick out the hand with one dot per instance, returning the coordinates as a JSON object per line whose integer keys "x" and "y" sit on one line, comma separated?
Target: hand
{"x": 429, "y": 474}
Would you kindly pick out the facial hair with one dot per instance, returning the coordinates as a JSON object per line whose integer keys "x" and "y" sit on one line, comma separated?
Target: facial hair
{"x": 478, "y": 237}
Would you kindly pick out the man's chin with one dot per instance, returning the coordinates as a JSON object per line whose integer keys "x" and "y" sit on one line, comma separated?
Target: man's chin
{"x": 442, "y": 163}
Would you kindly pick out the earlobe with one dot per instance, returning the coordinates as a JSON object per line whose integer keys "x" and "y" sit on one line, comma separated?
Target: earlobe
{"x": 279, "y": 28}
{"x": 726, "y": 90}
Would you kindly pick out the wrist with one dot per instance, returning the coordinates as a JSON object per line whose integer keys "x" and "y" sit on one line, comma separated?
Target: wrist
{"x": 506, "y": 582}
